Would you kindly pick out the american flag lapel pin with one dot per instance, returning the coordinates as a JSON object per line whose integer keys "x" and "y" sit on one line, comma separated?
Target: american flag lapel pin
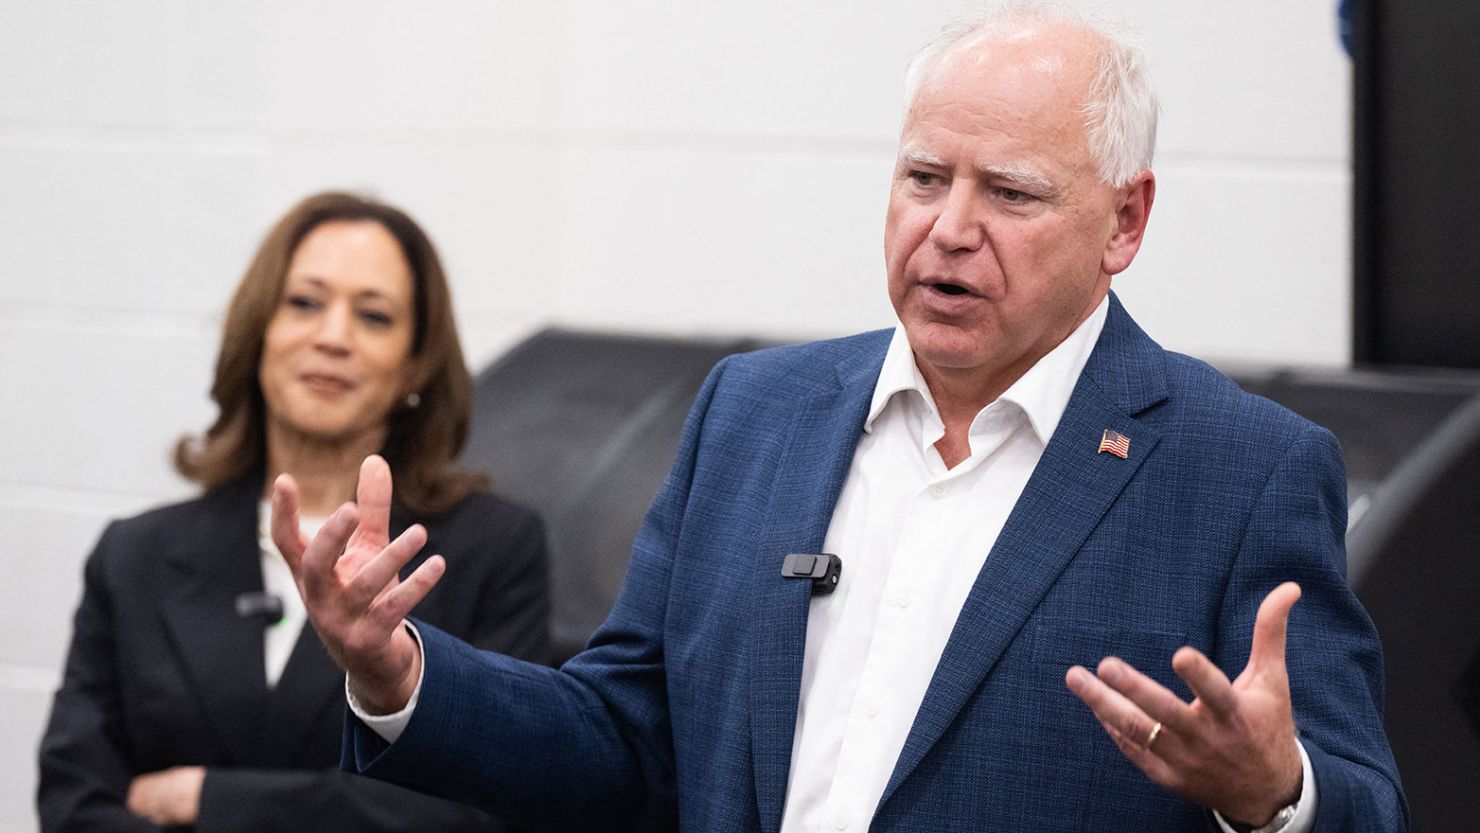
{"x": 1117, "y": 444}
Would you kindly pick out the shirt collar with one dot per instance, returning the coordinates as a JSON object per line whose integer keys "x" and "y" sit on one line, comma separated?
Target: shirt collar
{"x": 1042, "y": 393}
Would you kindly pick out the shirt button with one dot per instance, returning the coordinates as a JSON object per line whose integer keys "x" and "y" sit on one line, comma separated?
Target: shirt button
{"x": 840, "y": 821}
{"x": 903, "y": 598}
{"x": 871, "y": 709}
{"x": 940, "y": 490}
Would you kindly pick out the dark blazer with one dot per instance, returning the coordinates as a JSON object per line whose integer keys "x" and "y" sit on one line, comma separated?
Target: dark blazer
{"x": 680, "y": 714}
{"x": 162, "y": 672}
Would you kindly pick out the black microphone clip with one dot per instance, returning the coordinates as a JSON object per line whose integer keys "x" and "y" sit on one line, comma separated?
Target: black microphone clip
{"x": 265, "y": 606}
{"x": 823, "y": 569}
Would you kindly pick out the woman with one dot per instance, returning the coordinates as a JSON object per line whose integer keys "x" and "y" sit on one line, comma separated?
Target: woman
{"x": 194, "y": 695}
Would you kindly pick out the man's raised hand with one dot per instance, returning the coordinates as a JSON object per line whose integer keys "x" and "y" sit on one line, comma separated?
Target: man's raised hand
{"x": 348, "y": 578}
{"x": 1233, "y": 748}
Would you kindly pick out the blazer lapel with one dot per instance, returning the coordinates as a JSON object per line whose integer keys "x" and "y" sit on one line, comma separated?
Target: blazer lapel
{"x": 221, "y": 653}
{"x": 818, "y": 451}
{"x": 300, "y": 704}
{"x": 1069, "y": 491}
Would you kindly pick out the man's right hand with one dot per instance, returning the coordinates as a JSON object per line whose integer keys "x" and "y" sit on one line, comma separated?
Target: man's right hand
{"x": 348, "y": 578}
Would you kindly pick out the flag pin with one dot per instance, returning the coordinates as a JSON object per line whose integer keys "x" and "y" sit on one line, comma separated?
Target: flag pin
{"x": 1117, "y": 444}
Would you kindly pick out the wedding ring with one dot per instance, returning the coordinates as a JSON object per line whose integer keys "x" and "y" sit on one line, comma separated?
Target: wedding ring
{"x": 1154, "y": 734}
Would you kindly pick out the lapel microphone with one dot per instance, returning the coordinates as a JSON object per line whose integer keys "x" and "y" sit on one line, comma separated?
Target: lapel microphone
{"x": 265, "y": 606}
{"x": 823, "y": 569}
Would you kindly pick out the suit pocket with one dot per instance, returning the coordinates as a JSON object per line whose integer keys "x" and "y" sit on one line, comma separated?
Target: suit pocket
{"x": 1068, "y": 642}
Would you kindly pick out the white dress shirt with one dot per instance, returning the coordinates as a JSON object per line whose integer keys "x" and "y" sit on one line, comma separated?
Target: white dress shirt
{"x": 913, "y": 535}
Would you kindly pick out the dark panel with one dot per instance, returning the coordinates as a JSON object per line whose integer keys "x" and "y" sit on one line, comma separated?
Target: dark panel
{"x": 1417, "y": 183}
{"x": 582, "y": 427}
{"x": 1421, "y": 544}
{"x": 1381, "y": 418}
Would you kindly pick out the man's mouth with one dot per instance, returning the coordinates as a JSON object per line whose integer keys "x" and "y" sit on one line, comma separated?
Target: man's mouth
{"x": 950, "y": 288}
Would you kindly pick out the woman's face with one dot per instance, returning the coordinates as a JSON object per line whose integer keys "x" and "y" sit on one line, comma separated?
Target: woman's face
{"x": 335, "y": 359}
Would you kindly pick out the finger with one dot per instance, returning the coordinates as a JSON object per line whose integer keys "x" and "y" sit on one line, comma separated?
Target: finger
{"x": 1270, "y": 626}
{"x": 1129, "y": 735}
{"x": 287, "y": 534}
{"x": 325, "y": 548}
{"x": 373, "y": 495}
{"x": 399, "y": 600}
{"x": 135, "y": 800}
{"x": 1207, "y": 681}
{"x": 1143, "y": 756}
{"x": 1152, "y": 697}
{"x": 380, "y": 570}
{"x": 1112, "y": 708}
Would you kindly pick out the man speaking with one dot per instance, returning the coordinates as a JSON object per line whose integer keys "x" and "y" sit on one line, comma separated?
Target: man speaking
{"x": 1070, "y": 559}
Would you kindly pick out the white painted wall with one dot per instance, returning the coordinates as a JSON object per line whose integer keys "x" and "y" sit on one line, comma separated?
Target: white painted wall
{"x": 666, "y": 166}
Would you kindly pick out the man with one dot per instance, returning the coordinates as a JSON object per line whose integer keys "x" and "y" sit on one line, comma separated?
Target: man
{"x": 1019, "y": 483}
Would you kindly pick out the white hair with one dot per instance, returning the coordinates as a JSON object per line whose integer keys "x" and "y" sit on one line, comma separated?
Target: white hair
{"x": 1120, "y": 115}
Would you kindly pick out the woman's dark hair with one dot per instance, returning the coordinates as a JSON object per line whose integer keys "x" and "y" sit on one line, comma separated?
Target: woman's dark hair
{"x": 422, "y": 441}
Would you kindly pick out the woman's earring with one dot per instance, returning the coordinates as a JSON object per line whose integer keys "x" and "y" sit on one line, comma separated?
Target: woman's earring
{"x": 413, "y": 400}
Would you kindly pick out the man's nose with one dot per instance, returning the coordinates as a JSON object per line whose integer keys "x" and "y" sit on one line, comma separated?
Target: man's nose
{"x": 334, "y": 333}
{"x": 959, "y": 227}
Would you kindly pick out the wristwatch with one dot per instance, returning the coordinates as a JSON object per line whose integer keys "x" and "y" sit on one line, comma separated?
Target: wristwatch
{"x": 1276, "y": 824}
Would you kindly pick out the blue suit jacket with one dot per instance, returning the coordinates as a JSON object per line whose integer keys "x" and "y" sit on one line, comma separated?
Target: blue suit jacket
{"x": 681, "y": 711}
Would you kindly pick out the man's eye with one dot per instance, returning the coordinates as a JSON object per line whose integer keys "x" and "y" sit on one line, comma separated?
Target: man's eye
{"x": 922, "y": 177}
{"x": 1013, "y": 195}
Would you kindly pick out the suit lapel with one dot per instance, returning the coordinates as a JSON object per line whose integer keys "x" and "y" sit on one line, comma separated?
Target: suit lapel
{"x": 1069, "y": 491}
{"x": 819, "y": 448}
{"x": 221, "y": 653}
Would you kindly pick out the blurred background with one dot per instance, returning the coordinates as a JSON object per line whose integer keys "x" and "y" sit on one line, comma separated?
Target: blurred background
{"x": 681, "y": 168}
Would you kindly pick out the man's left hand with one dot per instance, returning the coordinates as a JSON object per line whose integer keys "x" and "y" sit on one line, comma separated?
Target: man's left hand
{"x": 1232, "y": 748}
{"x": 169, "y": 797}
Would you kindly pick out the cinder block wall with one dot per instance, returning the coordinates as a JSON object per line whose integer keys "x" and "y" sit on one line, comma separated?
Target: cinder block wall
{"x": 660, "y": 166}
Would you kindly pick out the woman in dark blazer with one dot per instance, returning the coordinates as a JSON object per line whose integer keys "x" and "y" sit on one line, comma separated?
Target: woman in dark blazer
{"x": 194, "y": 693}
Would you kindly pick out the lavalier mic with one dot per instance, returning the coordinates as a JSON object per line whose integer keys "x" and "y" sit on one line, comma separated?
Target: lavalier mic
{"x": 265, "y": 606}
{"x": 824, "y": 569}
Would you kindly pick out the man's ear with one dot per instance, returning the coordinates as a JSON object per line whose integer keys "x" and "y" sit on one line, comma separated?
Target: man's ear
{"x": 1133, "y": 208}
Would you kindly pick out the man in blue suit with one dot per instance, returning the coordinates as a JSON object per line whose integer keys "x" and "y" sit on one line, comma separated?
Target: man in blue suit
{"x": 1021, "y": 485}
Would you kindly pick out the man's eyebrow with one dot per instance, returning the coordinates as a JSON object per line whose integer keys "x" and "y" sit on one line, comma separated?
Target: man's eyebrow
{"x": 917, "y": 156}
{"x": 1014, "y": 174}
{"x": 1031, "y": 181}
